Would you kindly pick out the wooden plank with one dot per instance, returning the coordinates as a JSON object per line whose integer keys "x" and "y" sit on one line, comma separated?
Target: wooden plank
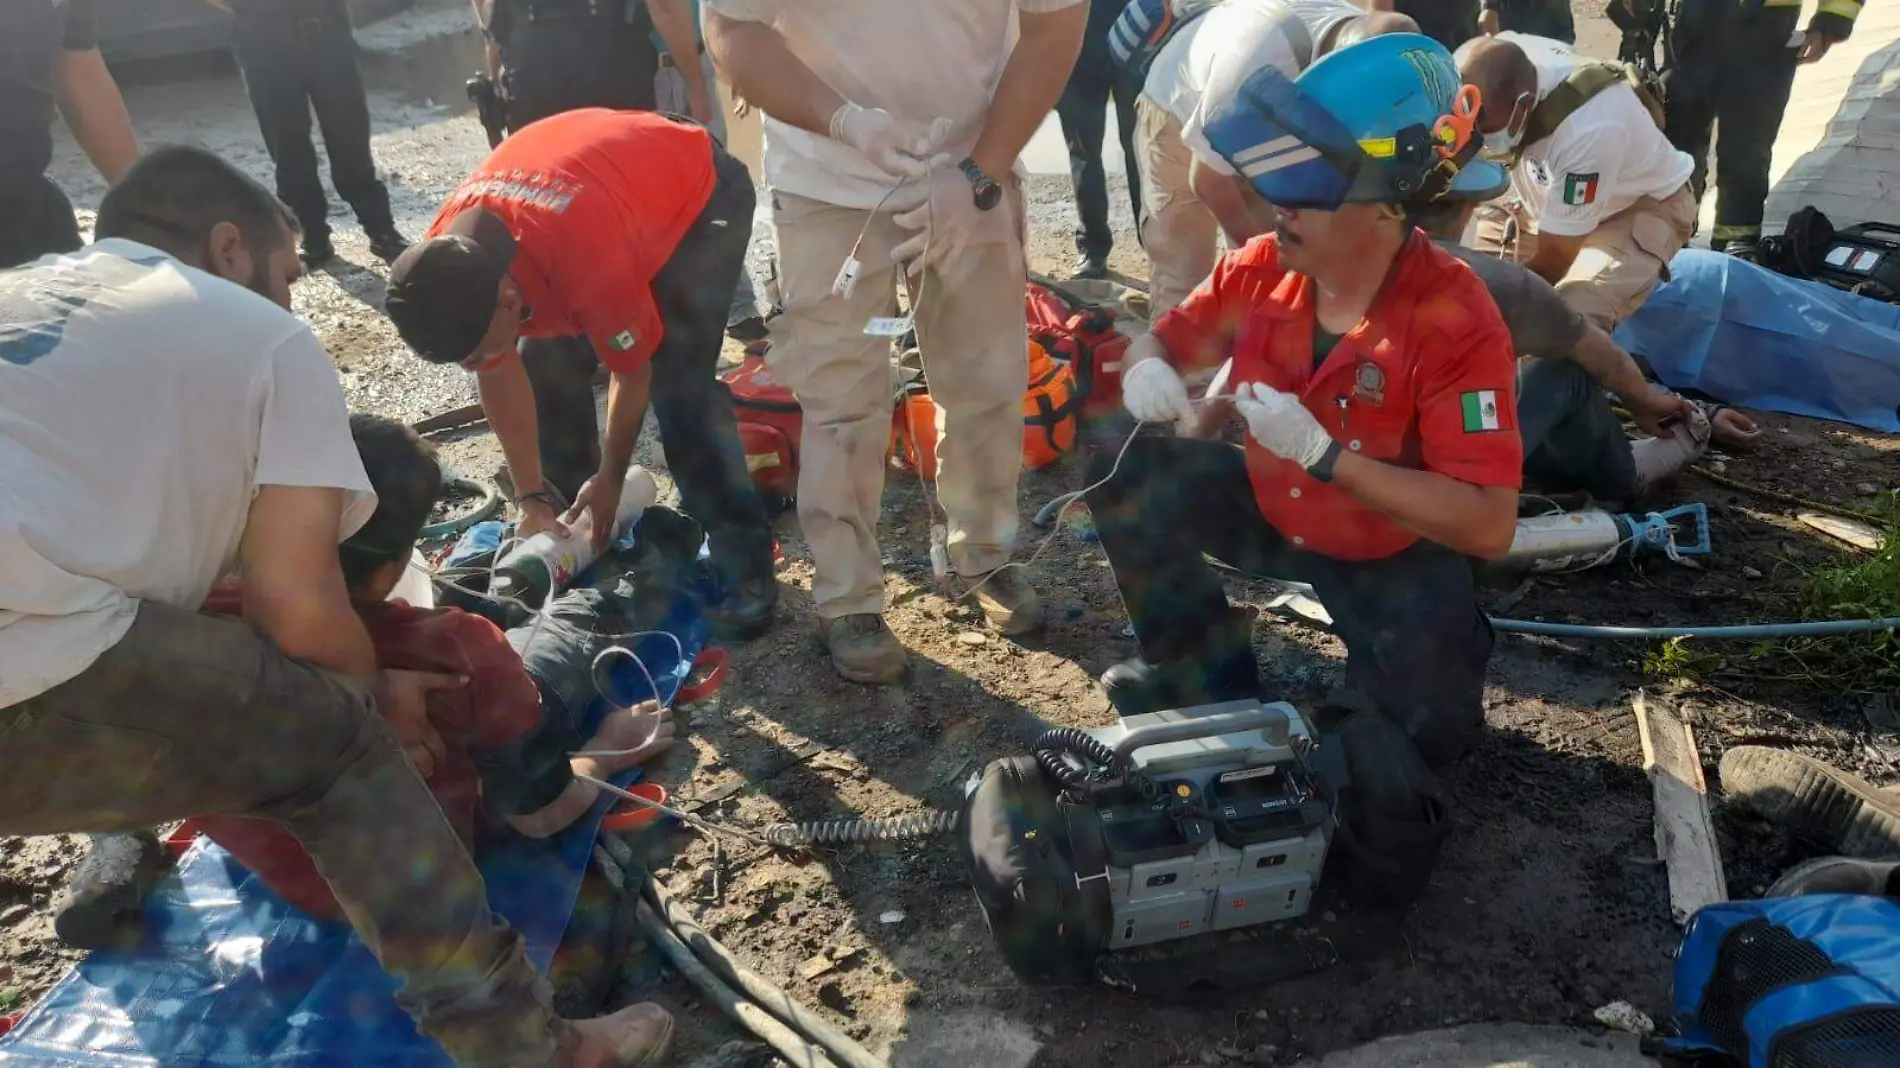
{"x": 453, "y": 418}
{"x": 1685, "y": 835}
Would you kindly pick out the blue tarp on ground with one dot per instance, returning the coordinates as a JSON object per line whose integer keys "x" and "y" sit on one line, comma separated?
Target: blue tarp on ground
{"x": 1748, "y": 336}
{"x": 231, "y": 976}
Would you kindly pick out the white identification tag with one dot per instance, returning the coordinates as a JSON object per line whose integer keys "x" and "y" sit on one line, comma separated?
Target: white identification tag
{"x": 888, "y": 326}
{"x": 847, "y": 279}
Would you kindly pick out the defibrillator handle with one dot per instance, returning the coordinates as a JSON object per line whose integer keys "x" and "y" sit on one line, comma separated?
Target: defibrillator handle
{"x": 1259, "y": 717}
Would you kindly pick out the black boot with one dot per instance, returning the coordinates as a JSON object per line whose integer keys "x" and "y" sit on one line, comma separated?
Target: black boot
{"x": 1220, "y": 668}
{"x": 387, "y": 242}
{"x": 317, "y": 249}
{"x": 1090, "y": 265}
{"x": 748, "y": 611}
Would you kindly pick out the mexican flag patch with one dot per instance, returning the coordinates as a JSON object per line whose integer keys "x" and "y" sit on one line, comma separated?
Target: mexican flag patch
{"x": 1580, "y": 189}
{"x": 1481, "y": 410}
{"x": 622, "y": 341}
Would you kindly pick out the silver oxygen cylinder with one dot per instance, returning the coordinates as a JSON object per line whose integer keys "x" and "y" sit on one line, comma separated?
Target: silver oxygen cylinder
{"x": 1565, "y": 541}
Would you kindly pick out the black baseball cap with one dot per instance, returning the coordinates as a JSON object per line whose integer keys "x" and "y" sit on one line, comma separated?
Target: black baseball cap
{"x": 442, "y": 292}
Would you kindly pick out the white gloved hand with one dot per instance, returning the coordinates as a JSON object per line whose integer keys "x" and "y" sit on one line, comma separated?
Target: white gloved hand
{"x": 1282, "y": 425}
{"x": 945, "y": 222}
{"x": 1154, "y": 393}
{"x": 898, "y": 147}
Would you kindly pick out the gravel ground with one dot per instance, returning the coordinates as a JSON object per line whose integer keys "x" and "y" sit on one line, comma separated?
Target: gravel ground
{"x": 1548, "y": 902}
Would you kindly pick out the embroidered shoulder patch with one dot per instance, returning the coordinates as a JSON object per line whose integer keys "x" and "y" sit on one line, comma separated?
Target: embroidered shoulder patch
{"x": 1480, "y": 410}
{"x": 1580, "y": 189}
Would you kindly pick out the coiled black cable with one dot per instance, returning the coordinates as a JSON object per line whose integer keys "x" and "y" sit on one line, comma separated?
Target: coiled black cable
{"x": 1097, "y": 760}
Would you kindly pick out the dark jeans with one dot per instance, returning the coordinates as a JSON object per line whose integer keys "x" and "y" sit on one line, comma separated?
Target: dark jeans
{"x": 192, "y": 714}
{"x": 35, "y": 221}
{"x": 1539, "y": 18}
{"x": 1083, "y": 110}
{"x": 1416, "y": 644}
{"x": 693, "y": 292}
{"x": 1449, "y": 22}
{"x": 292, "y": 64}
{"x": 1572, "y": 440}
{"x": 560, "y": 64}
{"x": 1734, "y": 72}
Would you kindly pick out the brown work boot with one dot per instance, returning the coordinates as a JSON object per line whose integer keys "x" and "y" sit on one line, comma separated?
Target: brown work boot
{"x": 1006, "y": 599}
{"x": 863, "y": 649}
{"x": 635, "y": 1037}
{"x": 1815, "y": 801}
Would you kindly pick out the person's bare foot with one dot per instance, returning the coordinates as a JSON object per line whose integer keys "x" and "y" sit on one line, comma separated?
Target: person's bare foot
{"x": 629, "y": 737}
{"x": 1734, "y": 431}
{"x": 557, "y": 815}
{"x": 626, "y": 737}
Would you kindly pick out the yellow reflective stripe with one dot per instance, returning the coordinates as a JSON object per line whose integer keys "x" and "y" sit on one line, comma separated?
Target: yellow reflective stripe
{"x": 1847, "y": 9}
{"x": 1380, "y": 147}
{"x": 1732, "y": 233}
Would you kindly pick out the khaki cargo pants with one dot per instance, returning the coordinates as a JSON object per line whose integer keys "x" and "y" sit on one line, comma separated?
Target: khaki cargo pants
{"x": 1621, "y": 262}
{"x": 1179, "y": 234}
{"x": 191, "y": 715}
{"x": 973, "y": 335}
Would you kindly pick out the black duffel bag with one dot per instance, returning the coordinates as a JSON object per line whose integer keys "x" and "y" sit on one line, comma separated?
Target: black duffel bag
{"x": 1019, "y": 845}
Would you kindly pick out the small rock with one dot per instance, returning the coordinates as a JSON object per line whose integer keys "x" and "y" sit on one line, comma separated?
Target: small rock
{"x": 1719, "y": 467}
{"x": 1840, "y": 465}
{"x": 1208, "y": 1056}
{"x": 1622, "y": 1016}
{"x": 973, "y": 638}
{"x": 891, "y": 918}
{"x": 13, "y": 914}
{"x": 1750, "y": 573}
{"x": 1867, "y": 489}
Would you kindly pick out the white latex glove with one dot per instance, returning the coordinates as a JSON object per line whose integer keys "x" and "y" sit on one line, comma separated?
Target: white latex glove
{"x": 1281, "y": 424}
{"x": 945, "y": 222}
{"x": 1153, "y": 393}
{"x": 899, "y": 147}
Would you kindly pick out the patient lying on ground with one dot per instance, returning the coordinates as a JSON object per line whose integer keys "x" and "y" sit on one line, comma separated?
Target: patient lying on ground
{"x": 506, "y": 734}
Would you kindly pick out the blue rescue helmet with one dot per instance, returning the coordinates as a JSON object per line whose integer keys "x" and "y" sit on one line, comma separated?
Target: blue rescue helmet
{"x": 1387, "y": 120}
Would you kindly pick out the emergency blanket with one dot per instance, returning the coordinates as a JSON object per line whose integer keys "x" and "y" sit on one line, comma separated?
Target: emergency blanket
{"x": 1751, "y": 337}
{"x": 232, "y": 976}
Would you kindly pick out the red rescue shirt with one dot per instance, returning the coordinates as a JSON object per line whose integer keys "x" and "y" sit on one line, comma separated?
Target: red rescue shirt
{"x": 1426, "y": 381}
{"x": 597, "y": 200}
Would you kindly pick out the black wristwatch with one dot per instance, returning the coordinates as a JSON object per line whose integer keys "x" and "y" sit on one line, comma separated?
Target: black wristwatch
{"x": 1323, "y": 470}
{"x": 988, "y": 193}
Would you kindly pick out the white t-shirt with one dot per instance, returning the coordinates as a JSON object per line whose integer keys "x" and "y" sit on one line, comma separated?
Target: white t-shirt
{"x": 1601, "y": 159}
{"x": 1213, "y": 55}
{"x": 142, "y": 404}
{"x": 917, "y": 59}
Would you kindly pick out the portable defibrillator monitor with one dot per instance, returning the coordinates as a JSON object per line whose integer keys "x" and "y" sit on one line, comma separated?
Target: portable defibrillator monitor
{"x": 1863, "y": 257}
{"x": 1234, "y": 835}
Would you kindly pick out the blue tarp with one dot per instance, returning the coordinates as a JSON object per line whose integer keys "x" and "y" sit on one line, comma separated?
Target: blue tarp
{"x": 1748, "y": 336}
{"x": 230, "y": 975}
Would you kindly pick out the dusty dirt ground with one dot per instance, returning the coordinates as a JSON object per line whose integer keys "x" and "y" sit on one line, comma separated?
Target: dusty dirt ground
{"x": 1549, "y": 901}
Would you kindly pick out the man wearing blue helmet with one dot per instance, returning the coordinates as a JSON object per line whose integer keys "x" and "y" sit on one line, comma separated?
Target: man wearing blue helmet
{"x": 1375, "y": 379}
